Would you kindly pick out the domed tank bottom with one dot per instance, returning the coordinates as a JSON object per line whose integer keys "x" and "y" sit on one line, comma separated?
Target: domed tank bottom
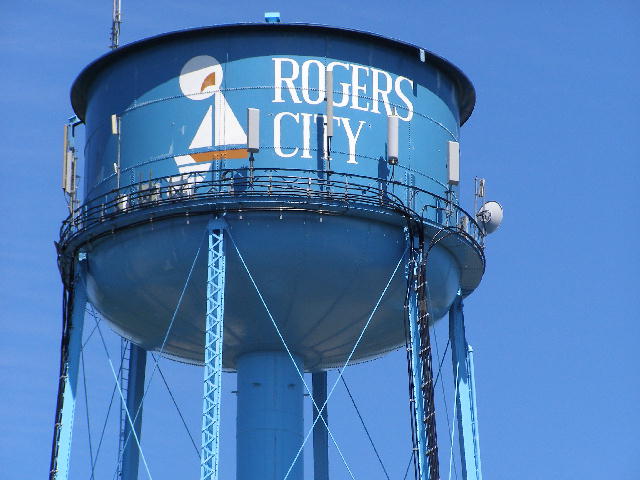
{"x": 320, "y": 276}
{"x": 270, "y": 417}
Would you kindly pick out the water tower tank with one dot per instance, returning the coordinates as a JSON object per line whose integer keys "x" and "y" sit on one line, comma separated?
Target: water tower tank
{"x": 311, "y": 190}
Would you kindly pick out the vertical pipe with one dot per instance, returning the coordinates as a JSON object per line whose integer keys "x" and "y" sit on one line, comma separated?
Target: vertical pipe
{"x": 328, "y": 87}
{"x": 67, "y": 388}
{"x": 210, "y": 453}
{"x": 135, "y": 393}
{"x": 270, "y": 424}
{"x": 320, "y": 434}
{"x": 465, "y": 409}
{"x": 416, "y": 373}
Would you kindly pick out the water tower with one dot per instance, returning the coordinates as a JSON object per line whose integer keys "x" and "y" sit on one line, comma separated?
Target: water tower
{"x": 270, "y": 199}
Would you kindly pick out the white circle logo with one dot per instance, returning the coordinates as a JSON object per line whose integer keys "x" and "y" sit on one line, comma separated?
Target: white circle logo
{"x": 200, "y": 77}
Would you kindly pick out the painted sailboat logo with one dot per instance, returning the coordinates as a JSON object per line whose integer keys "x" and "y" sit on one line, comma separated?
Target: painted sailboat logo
{"x": 200, "y": 79}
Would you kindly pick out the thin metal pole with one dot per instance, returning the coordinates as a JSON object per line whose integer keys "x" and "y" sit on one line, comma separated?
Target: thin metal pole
{"x": 115, "y": 24}
{"x": 462, "y": 358}
{"x": 213, "y": 352}
{"x": 320, "y": 434}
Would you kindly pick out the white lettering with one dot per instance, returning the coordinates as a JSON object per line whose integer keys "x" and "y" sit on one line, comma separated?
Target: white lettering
{"x": 381, "y": 93}
{"x": 279, "y": 80}
{"x": 276, "y": 134}
{"x": 356, "y": 88}
{"x": 344, "y": 101}
{"x": 351, "y": 137}
{"x": 404, "y": 98}
{"x": 305, "y": 82}
{"x": 346, "y": 87}
{"x": 306, "y": 134}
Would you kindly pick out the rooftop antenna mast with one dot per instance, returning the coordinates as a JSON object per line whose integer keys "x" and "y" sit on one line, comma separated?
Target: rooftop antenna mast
{"x": 115, "y": 24}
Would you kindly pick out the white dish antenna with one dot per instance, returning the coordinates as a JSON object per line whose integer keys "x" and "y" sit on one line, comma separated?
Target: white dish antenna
{"x": 490, "y": 216}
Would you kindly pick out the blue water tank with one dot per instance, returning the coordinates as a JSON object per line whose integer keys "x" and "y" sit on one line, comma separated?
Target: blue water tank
{"x": 320, "y": 220}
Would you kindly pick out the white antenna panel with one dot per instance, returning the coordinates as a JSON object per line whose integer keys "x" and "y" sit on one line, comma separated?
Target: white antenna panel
{"x": 453, "y": 163}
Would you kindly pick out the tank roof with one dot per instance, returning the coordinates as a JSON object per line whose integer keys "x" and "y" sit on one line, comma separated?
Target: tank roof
{"x": 464, "y": 88}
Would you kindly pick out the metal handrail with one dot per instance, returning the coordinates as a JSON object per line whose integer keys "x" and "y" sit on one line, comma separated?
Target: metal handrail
{"x": 344, "y": 189}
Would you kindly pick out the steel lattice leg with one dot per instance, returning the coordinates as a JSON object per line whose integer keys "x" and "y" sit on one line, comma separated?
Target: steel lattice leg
{"x": 462, "y": 357}
{"x": 213, "y": 352}
{"x": 67, "y": 388}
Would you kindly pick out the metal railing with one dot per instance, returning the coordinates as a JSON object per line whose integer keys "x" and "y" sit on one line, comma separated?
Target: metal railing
{"x": 331, "y": 190}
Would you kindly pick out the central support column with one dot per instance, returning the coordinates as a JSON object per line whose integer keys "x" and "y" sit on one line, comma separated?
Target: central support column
{"x": 270, "y": 417}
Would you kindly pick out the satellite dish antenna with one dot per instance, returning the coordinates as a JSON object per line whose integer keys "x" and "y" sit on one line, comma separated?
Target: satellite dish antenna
{"x": 490, "y": 216}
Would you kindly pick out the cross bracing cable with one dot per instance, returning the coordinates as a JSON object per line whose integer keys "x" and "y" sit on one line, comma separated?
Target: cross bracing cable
{"x": 365, "y": 427}
{"x": 104, "y": 425}
{"x": 453, "y": 431}
{"x": 97, "y": 320}
{"x": 164, "y": 380}
{"x": 166, "y": 336}
{"x": 320, "y": 416}
{"x": 86, "y": 407}
{"x": 406, "y": 472}
{"x": 124, "y": 404}
{"x": 93, "y": 330}
{"x": 441, "y": 361}
{"x": 341, "y": 370}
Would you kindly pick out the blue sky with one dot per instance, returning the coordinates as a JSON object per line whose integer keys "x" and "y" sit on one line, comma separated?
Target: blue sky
{"x": 554, "y": 323}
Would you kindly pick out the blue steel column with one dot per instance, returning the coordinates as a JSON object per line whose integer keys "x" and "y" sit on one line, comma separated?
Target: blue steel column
{"x": 320, "y": 434}
{"x": 474, "y": 406}
{"x": 416, "y": 373}
{"x": 213, "y": 352}
{"x": 72, "y": 345}
{"x": 135, "y": 394}
{"x": 462, "y": 358}
{"x": 270, "y": 417}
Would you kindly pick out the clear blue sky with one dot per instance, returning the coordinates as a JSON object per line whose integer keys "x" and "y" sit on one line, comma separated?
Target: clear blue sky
{"x": 554, "y": 323}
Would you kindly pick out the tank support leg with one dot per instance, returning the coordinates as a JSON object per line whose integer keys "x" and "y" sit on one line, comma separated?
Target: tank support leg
{"x": 320, "y": 434}
{"x": 67, "y": 386}
{"x": 416, "y": 380}
{"x": 462, "y": 357}
{"x": 209, "y": 457}
{"x": 135, "y": 393}
{"x": 420, "y": 363}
